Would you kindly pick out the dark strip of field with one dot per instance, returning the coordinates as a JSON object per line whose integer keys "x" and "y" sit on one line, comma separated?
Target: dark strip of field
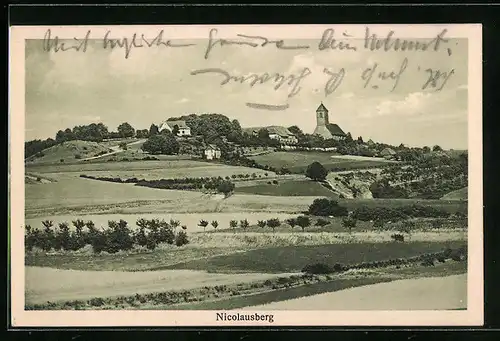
{"x": 293, "y": 258}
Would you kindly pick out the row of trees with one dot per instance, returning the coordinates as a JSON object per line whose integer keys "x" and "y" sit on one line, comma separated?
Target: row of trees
{"x": 117, "y": 237}
{"x": 218, "y": 184}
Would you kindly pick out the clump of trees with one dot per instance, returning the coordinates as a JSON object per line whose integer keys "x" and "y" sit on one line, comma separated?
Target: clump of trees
{"x": 116, "y": 237}
{"x": 327, "y": 207}
{"x": 316, "y": 171}
{"x": 164, "y": 143}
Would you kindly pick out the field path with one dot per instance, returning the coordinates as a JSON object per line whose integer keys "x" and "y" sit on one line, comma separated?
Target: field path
{"x": 115, "y": 150}
{"x": 48, "y": 284}
{"x": 434, "y": 293}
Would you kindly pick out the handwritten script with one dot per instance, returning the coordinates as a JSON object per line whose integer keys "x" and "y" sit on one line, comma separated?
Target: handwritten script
{"x": 375, "y": 76}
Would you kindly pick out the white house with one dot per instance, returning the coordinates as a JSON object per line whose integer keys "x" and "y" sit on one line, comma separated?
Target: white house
{"x": 212, "y": 152}
{"x": 281, "y": 134}
{"x": 183, "y": 129}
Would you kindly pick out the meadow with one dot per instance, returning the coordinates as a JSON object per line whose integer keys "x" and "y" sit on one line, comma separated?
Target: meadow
{"x": 287, "y": 188}
{"x": 297, "y": 162}
{"x": 294, "y": 258}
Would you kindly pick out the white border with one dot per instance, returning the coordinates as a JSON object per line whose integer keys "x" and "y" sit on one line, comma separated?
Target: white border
{"x": 473, "y": 316}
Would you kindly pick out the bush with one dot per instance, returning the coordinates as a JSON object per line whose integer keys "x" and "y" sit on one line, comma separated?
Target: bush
{"x": 327, "y": 207}
{"x": 181, "y": 238}
{"x": 273, "y": 223}
{"x": 322, "y": 222}
{"x": 275, "y": 182}
{"x": 78, "y": 156}
{"x": 303, "y": 222}
{"x": 316, "y": 171}
{"x": 398, "y": 237}
{"x": 318, "y": 269}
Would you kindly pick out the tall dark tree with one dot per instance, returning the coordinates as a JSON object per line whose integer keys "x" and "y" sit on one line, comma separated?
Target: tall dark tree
{"x": 153, "y": 130}
{"x": 164, "y": 143}
{"x": 126, "y": 130}
{"x": 316, "y": 171}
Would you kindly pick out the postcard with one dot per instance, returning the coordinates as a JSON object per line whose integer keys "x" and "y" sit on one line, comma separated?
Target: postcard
{"x": 246, "y": 175}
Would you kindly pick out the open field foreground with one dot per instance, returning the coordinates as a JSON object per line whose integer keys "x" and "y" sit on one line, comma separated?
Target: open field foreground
{"x": 46, "y": 284}
{"x": 433, "y": 293}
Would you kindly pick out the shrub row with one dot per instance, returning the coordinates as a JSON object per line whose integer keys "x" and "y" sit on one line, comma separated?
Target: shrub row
{"x": 400, "y": 213}
{"x": 459, "y": 254}
{"x": 209, "y": 183}
{"x": 117, "y": 237}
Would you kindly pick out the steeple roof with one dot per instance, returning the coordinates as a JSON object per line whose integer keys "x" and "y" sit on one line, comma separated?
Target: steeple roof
{"x": 322, "y": 108}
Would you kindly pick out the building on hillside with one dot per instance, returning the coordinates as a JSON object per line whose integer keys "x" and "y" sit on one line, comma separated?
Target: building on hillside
{"x": 281, "y": 134}
{"x": 183, "y": 129}
{"x": 326, "y": 129}
{"x": 212, "y": 152}
{"x": 388, "y": 153}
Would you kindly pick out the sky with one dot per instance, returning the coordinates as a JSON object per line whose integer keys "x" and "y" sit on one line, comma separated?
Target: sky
{"x": 64, "y": 89}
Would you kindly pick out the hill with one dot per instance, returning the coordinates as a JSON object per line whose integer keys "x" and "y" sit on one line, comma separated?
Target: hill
{"x": 460, "y": 194}
{"x": 68, "y": 151}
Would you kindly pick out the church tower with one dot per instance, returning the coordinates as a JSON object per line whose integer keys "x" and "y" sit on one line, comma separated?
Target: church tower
{"x": 324, "y": 128}
{"x": 322, "y": 115}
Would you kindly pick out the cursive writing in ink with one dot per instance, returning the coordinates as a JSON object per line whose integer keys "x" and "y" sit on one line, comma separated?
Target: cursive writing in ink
{"x": 373, "y": 43}
{"x": 212, "y": 42}
{"x": 436, "y": 77}
{"x": 278, "y": 43}
{"x": 136, "y": 42}
{"x": 293, "y": 80}
{"x": 53, "y": 43}
{"x": 368, "y": 74}
{"x": 335, "y": 80}
{"x": 329, "y": 42}
{"x": 272, "y": 107}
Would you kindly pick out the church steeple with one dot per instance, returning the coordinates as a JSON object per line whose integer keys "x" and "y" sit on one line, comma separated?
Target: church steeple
{"x": 322, "y": 115}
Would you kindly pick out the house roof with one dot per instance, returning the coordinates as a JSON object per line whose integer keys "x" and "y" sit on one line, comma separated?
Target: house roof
{"x": 213, "y": 147}
{"x": 281, "y": 131}
{"x": 322, "y": 108}
{"x": 180, "y": 124}
{"x": 335, "y": 130}
{"x": 387, "y": 151}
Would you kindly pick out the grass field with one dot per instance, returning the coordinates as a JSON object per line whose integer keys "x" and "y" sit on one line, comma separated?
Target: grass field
{"x": 288, "y": 188}
{"x": 460, "y": 194}
{"x": 54, "y": 285}
{"x": 297, "y": 162}
{"x": 69, "y": 151}
{"x": 439, "y": 293}
{"x": 292, "y": 259}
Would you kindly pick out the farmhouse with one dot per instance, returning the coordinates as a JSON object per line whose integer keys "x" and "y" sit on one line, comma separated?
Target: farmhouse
{"x": 388, "y": 153}
{"x": 326, "y": 129}
{"x": 212, "y": 152}
{"x": 183, "y": 129}
{"x": 281, "y": 134}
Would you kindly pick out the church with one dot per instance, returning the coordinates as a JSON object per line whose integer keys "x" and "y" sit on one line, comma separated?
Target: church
{"x": 326, "y": 129}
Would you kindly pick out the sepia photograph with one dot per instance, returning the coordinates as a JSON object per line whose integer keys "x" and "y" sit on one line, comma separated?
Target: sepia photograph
{"x": 249, "y": 175}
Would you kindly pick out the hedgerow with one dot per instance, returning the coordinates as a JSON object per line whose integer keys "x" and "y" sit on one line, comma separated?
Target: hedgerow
{"x": 116, "y": 237}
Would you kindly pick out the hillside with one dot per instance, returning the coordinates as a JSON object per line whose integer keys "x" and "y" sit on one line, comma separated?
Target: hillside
{"x": 460, "y": 194}
{"x": 68, "y": 151}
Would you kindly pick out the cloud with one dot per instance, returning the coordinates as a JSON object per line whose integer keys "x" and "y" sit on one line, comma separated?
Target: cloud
{"x": 414, "y": 103}
{"x": 183, "y": 100}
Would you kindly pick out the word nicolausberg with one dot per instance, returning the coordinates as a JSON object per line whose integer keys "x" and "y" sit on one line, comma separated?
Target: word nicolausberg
{"x": 244, "y": 317}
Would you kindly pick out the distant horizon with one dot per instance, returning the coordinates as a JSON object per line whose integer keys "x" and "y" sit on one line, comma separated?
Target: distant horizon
{"x": 71, "y": 88}
{"x": 243, "y": 127}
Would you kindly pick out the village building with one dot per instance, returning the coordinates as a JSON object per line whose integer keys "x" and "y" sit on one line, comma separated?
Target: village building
{"x": 326, "y": 129}
{"x": 212, "y": 152}
{"x": 388, "y": 153}
{"x": 183, "y": 129}
{"x": 281, "y": 134}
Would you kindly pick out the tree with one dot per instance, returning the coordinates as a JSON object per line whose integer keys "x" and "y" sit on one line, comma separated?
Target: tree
{"x": 142, "y": 133}
{"x": 303, "y": 222}
{"x": 327, "y": 207}
{"x": 322, "y": 222}
{"x": 349, "y": 223}
{"x": 175, "y": 130}
{"x": 215, "y": 224}
{"x": 203, "y": 223}
{"x": 292, "y": 222}
{"x": 233, "y": 224}
{"x": 316, "y": 171}
{"x": 126, "y": 130}
{"x": 123, "y": 145}
{"x": 261, "y": 223}
{"x": 437, "y": 148}
{"x": 263, "y": 134}
{"x": 161, "y": 144}
{"x": 273, "y": 223}
{"x": 153, "y": 130}
{"x": 226, "y": 187}
{"x": 244, "y": 224}
{"x": 296, "y": 131}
